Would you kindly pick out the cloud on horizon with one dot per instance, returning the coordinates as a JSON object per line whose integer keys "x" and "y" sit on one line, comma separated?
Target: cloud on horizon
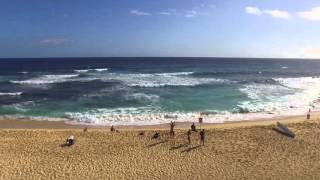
{"x": 139, "y": 13}
{"x": 165, "y": 13}
{"x": 312, "y": 15}
{"x": 313, "y": 53}
{"x": 191, "y": 14}
{"x": 253, "y": 10}
{"x": 275, "y": 13}
{"x": 54, "y": 41}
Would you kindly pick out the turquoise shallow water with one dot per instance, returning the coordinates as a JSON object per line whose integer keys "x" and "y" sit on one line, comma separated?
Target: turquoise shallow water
{"x": 157, "y": 90}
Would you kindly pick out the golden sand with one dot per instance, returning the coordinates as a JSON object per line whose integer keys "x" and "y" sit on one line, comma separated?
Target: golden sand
{"x": 247, "y": 150}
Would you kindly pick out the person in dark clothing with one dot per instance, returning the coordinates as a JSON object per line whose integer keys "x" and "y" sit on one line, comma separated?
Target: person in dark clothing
{"x": 172, "y": 124}
{"x": 141, "y": 133}
{"x": 202, "y": 136}
{"x": 193, "y": 127}
{"x": 189, "y": 136}
{"x": 308, "y": 115}
{"x": 112, "y": 129}
{"x": 156, "y": 135}
{"x": 70, "y": 141}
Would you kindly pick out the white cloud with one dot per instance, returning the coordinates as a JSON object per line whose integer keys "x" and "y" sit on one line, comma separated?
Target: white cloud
{"x": 311, "y": 53}
{"x": 54, "y": 41}
{"x": 191, "y": 14}
{"x": 275, "y": 13}
{"x": 139, "y": 13}
{"x": 166, "y": 13}
{"x": 278, "y": 14}
{"x": 253, "y": 10}
{"x": 312, "y": 15}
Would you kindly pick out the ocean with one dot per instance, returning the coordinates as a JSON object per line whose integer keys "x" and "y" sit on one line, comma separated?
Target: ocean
{"x": 144, "y": 91}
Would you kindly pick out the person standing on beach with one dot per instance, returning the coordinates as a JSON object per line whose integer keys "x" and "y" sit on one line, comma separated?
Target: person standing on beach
{"x": 189, "y": 136}
{"x": 112, "y": 129}
{"x": 308, "y": 115}
{"x": 202, "y": 136}
{"x": 193, "y": 127}
{"x": 172, "y": 124}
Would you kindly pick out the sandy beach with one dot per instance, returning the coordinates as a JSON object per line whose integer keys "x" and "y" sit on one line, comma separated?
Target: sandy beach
{"x": 239, "y": 150}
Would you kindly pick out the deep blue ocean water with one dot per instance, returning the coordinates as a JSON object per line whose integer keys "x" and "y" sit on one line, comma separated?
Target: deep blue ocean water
{"x": 156, "y": 90}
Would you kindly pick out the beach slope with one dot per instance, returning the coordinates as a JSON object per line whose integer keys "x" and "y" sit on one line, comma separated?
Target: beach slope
{"x": 247, "y": 151}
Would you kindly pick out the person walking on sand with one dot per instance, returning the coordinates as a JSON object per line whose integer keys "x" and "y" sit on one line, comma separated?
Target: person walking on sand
{"x": 172, "y": 124}
{"x": 202, "y": 136}
{"x": 112, "y": 129}
{"x": 189, "y": 136}
{"x": 193, "y": 127}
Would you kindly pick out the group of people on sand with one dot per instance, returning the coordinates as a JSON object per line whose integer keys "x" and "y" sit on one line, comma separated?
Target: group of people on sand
{"x": 189, "y": 132}
{"x": 193, "y": 129}
{"x": 71, "y": 140}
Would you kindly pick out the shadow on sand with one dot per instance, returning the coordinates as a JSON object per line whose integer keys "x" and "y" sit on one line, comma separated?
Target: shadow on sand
{"x": 65, "y": 145}
{"x": 281, "y": 132}
{"x": 191, "y": 148}
{"x": 157, "y": 143}
{"x": 179, "y": 146}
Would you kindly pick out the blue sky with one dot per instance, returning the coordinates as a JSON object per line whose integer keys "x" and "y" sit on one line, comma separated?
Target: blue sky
{"x": 204, "y": 28}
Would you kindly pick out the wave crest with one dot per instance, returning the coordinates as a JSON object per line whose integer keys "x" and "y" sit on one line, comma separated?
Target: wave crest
{"x": 10, "y": 93}
{"x": 47, "y": 79}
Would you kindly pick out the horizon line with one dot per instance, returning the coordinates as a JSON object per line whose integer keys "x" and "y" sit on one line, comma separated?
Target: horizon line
{"x": 202, "y": 57}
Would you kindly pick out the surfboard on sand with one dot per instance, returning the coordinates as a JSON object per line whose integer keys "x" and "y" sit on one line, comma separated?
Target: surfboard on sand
{"x": 285, "y": 130}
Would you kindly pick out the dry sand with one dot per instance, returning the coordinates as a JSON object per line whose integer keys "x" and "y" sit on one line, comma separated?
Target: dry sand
{"x": 245, "y": 150}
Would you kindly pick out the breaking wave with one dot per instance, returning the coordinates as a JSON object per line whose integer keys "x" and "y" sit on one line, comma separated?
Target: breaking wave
{"x": 10, "y": 93}
{"x": 291, "y": 94}
{"x": 48, "y": 79}
{"x": 160, "y": 79}
{"x": 133, "y": 80}
{"x": 89, "y": 70}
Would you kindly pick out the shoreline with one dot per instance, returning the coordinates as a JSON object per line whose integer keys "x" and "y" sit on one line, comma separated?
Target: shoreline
{"x": 25, "y": 123}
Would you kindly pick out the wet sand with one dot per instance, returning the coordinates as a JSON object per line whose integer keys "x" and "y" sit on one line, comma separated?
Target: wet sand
{"x": 240, "y": 150}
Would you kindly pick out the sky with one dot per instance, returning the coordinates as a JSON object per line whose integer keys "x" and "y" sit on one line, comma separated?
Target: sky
{"x": 162, "y": 28}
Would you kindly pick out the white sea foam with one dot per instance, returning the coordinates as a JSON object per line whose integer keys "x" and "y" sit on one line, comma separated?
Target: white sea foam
{"x": 48, "y": 79}
{"x": 10, "y": 93}
{"x": 81, "y": 70}
{"x": 175, "y": 74}
{"x": 142, "y": 97}
{"x": 22, "y": 106}
{"x": 296, "y": 94}
{"x": 133, "y": 80}
{"x": 88, "y": 70}
{"x": 127, "y": 116}
{"x": 160, "y": 79}
{"x": 150, "y": 116}
{"x": 101, "y": 69}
